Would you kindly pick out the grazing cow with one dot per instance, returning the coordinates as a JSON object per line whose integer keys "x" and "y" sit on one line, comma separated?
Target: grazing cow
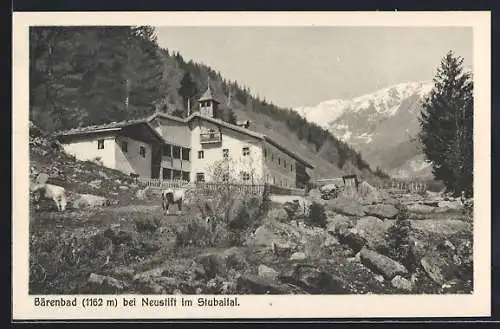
{"x": 51, "y": 192}
{"x": 172, "y": 196}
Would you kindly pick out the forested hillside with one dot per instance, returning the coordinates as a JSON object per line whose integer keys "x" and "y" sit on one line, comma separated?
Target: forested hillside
{"x": 92, "y": 75}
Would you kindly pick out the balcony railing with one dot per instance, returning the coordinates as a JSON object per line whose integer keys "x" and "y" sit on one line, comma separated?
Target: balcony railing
{"x": 210, "y": 138}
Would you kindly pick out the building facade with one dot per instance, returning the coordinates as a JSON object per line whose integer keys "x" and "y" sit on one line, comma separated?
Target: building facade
{"x": 199, "y": 148}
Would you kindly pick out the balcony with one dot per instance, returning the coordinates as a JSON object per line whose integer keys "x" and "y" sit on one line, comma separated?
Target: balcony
{"x": 212, "y": 137}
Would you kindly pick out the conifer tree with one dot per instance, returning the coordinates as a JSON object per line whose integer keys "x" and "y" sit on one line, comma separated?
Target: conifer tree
{"x": 447, "y": 125}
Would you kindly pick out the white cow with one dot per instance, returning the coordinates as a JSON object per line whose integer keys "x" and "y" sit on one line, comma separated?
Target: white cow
{"x": 51, "y": 192}
{"x": 172, "y": 196}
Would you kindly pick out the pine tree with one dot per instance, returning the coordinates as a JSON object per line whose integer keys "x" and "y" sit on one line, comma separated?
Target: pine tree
{"x": 187, "y": 90}
{"x": 447, "y": 125}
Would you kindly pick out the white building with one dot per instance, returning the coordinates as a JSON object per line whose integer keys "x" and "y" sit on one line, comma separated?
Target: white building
{"x": 200, "y": 147}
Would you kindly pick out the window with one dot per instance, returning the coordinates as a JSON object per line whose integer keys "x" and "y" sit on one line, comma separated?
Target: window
{"x": 246, "y": 151}
{"x": 124, "y": 147}
{"x": 200, "y": 177}
{"x": 185, "y": 176}
{"x": 100, "y": 144}
{"x": 177, "y": 175}
{"x": 279, "y": 161}
{"x": 167, "y": 173}
{"x": 167, "y": 150}
{"x": 284, "y": 163}
{"x": 272, "y": 157}
{"x": 291, "y": 167}
{"x": 265, "y": 153}
{"x": 211, "y": 133}
{"x": 176, "y": 152}
{"x": 185, "y": 154}
{"x": 142, "y": 151}
{"x": 225, "y": 177}
{"x": 225, "y": 153}
{"x": 245, "y": 176}
{"x": 201, "y": 155}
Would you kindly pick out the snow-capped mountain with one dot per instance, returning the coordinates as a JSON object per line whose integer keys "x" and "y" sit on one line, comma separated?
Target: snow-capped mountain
{"x": 381, "y": 125}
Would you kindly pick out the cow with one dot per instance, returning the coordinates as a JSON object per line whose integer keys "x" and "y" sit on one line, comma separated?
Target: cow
{"x": 172, "y": 196}
{"x": 51, "y": 192}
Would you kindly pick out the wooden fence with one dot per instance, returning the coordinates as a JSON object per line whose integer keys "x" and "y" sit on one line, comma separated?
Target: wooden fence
{"x": 402, "y": 186}
{"x": 213, "y": 187}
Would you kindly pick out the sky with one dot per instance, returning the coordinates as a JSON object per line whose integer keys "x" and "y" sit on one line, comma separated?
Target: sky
{"x": 303, "y": 66}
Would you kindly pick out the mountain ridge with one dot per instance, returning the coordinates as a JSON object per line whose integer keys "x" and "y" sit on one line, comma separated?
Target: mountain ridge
{"x": 381, "y": 125}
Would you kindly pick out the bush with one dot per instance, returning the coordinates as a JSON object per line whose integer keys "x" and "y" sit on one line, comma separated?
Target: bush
{"x": 400, "y": 247}
{"x": 317, "y": 216}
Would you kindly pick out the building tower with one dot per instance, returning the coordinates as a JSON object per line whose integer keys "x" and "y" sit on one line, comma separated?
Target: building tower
{"x": 208, "y": 104}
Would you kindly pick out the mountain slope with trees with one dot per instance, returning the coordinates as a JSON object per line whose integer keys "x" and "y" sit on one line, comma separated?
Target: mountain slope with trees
{"x": 92, "y": 75}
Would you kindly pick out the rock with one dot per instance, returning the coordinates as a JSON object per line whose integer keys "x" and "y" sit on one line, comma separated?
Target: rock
{"x": 401, "y": 283}
{"x": 314, "y": 280}
{"x": 267, "y": 273}
{"x": 123, "y": 187}
{"x": 281, "y": 249}
{"x": 338, "y": 222}
{"x": 381, "y": 211}
{"x": 373, "y": 230}
{"x": 435, "y": 268}
{"x": 420, "y": 208}
{"x": 277, "y": 214}
{"x": 346, "y": 207}
{"x": 330, "y": 241}
{"x": 298, "y": 256}
{"x": 103, "y": 175}
{"x": 456, "y": 205}
{"x": 148, "y": 275}
{"x": 213, "y": 263}
{"x": 384, "y": 265}
{"x": 89, "y": 201}
{"x": 250, "y": 284}
{"x": 123, "y": 271}
{"x": 95, "y": 183}
{"x": 443, "y": 226}
{"x": 352, "y": 240}
{"x": 263, "y": 236}
{"x": 431, "y": 203}
{"x": 106, "y": 281}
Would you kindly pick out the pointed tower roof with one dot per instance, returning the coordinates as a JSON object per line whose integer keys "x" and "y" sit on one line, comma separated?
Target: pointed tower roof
{"x": 207, "y": 96}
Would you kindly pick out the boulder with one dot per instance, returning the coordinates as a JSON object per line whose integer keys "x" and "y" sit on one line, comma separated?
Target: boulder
{"x": 263, "y": 236}
{"x": 89, "y": 201}
{"x": 150, "y": 274}
{"x": 401, "y": 283}
{"x": 433, "y": 269}
{"x": 420, "y": 208}
{"x": 42, "y": 178}
{"x": 373, "y": 230}
{"x": 456, "y": 205}
{"x": 338, "y": 222}
{"x": 381, "y": 211}
{"x": 381, "y": 264}
{"x": 298, "y": 256}
{"x": 95, "y": 183}
{"x": 352, "y": 240}
{"x": 442, "y": 226}
{"x": 346, "y": 207}
{"x": 250, "y": 284}
{"x": 106, "y": 282}
{"x": 313, "y": 280}
{"x": 267, "y": 273}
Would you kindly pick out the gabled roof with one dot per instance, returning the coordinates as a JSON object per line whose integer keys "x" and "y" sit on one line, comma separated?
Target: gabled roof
{"x": 112, "y": 127}
{"x": 242, "y": 130}
{"x": 119, "y": 126}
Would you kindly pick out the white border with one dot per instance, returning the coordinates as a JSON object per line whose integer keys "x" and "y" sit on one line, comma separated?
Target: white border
{"x": 324, "y": 306}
